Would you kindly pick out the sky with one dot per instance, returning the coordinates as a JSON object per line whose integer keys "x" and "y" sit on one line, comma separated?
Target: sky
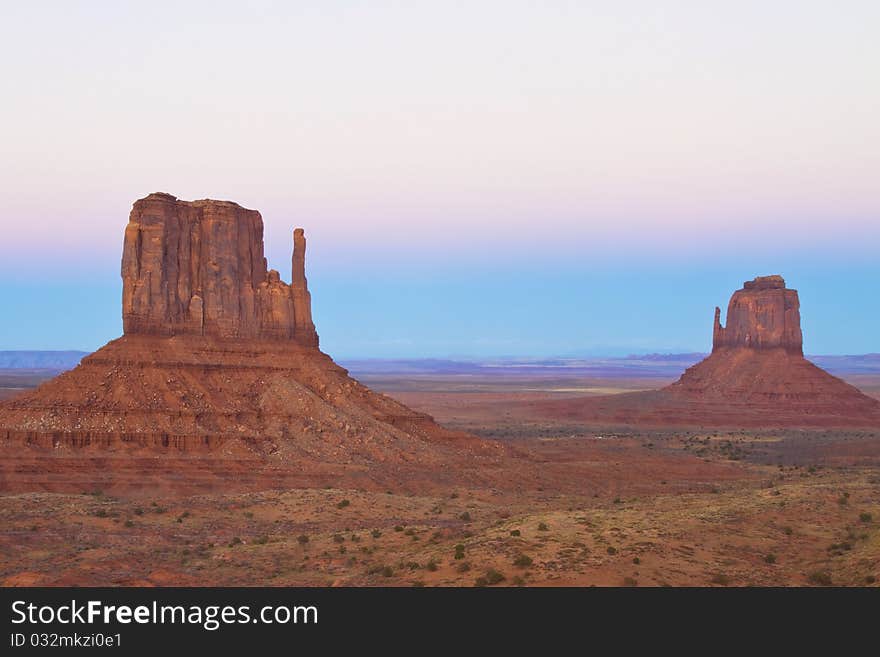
{"x": 485, "y": 178}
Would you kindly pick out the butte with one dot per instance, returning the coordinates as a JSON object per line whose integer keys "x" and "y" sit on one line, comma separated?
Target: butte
{"x": 217, "y": 383}
{"x": 756, "y": 376}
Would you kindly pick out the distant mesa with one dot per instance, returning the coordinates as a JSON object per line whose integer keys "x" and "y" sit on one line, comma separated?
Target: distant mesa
{"x": 756, "y": 376}
{"x": 218, "y": 381}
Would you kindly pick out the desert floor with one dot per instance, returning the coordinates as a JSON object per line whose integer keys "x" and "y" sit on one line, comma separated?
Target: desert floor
{"x": 672, "y": 507}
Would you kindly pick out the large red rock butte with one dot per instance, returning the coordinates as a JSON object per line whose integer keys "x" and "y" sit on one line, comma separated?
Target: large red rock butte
{"x": 217, "y": 382}
{"x": 756, "y": 376}
{"x": 197, "y": 268}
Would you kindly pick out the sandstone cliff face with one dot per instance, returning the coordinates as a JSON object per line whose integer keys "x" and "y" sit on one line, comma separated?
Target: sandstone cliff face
{"x": 762, "y": 315}
{"x": 198, "y": 268}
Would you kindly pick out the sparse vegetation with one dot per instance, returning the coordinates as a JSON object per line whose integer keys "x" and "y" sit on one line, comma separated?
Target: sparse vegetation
{"x": 494, "y": 577}
{"x": 522, "y": 561}
{"x": 820, "y": 578}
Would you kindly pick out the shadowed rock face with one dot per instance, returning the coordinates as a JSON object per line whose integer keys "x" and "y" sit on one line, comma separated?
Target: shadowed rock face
{"x": 764, "y": 314}
{"x": 198, "y": 268}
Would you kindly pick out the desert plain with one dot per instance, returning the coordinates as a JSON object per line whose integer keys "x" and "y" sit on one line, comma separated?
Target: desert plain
{"x": 572, "y": 504}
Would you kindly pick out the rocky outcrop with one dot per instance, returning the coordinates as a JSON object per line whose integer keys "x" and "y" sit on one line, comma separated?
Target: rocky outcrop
{"x": 219, "y": 368}
{"x": 756, "y": 376}
{"x": 197, "y": 268}
{"x": 764, "y": 314}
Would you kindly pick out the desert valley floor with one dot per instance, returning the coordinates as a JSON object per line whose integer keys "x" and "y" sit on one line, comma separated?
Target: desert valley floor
{"x": 612, "y": 506}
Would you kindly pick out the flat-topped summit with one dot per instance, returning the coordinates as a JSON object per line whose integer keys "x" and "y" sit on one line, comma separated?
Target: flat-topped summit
{"x": 772, "y": 282}
{"x": 764, "y": 314}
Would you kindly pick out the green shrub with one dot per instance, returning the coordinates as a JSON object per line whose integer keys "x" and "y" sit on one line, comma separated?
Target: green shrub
{"x": 398, "y": 528}
{"x": 820, "y": 578}
{"x": 542, "y": 527}
{"x": 342, "y": 504}
{"x": 129, "y": 523}
{"x": 375, "y": 533}
{"x": 522, "y": 561}
{"x": 637, "y": 561}
{"x": 431, "y": 565}
{"x": 770, "y": 558}
{"x": 720, "y": 578}
{"x": 515, "y": 532}
{"x": 611, "y": 550}
{"x": 459, "y": 551}
{"x": 302, "y": 539}
{"x": 865, "y": 517}
{"x": 494, "y": 577}
{"x": 465, "y": 516}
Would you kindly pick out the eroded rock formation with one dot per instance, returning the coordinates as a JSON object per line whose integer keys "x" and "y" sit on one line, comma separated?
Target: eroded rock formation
{"x": 197, "y": 268}
{"x": 217, "y": 382}
{"x": 756, "y": 376}
{"x": 764, "y": 314}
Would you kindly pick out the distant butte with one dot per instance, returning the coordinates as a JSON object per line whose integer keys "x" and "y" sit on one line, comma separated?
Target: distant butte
{"x": 756, "y": 376}
{"x": 218, "y": 381}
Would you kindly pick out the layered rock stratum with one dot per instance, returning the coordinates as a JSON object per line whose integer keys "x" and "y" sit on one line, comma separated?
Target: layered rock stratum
{"x": 756, "y": 376}
{"x": 217, "y": 381}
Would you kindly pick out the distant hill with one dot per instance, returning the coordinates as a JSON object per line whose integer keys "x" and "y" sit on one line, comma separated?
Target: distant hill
{"x": 633, "y": 365}
{"x": 40, "y": 360}
{"x": 691, "y": 357}
{"x": 636, "y": 365}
